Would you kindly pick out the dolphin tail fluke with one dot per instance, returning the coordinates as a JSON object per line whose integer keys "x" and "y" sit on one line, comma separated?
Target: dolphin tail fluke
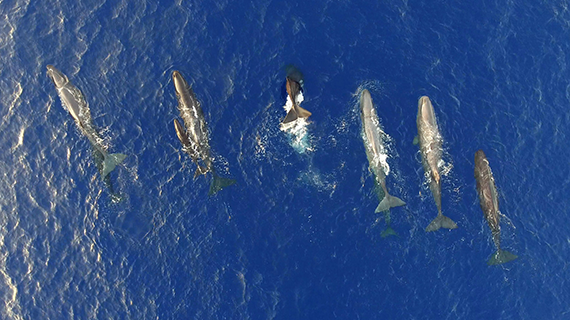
{"x": 303, "y": 113}
{"x": 219, "y": 183}
{"x": 500, "y": 257}
{"x": 200, "y": 171}
{"x": 388, "y": 232}
{"x": 295, "y": 113}
{"x": 111, "y": 161}
{"x": 291, "y": 116}
{"x": 441, "y": 221}
{"x": 389, "y": 202}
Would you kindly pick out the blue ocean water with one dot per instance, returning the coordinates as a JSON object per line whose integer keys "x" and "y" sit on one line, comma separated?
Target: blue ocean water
{"x": 297, "y": 236}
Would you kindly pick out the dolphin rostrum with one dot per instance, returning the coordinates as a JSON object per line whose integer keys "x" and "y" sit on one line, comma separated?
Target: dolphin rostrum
{"x": 296, "y": 112}
{"x": 430, "y": 141}
{"x": 194, "y": 138}
{"x": 488, "y": 199}
{"x": 373, "y": 135}
{"x": 72, "y": 98}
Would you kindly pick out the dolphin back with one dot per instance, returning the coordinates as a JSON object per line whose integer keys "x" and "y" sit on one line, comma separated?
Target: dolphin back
{"x": 293, "y": 89}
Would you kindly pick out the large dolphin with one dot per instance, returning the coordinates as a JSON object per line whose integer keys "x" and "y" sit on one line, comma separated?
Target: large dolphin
{"x": 293, "y": 89}
{"x": 372, "y": 134}
{"x": 430, "y": 141}
{"x": 488, "y": 199}
{"x": 194, "y": 137}
{"x": 72, "y": 98}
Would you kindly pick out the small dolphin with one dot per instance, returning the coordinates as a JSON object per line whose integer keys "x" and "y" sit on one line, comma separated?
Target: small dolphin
{"x": 430, "y": 141}
{"x": 296, "y": 112}
{"x": 372, "y": 134}
{"x": 73, "y": 100}
{"x": 489, "y": 201}
{"x": 194, "y": 138}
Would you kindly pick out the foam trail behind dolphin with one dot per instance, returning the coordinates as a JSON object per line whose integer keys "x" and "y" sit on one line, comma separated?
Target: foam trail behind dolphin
{"x": 297, "y": 130}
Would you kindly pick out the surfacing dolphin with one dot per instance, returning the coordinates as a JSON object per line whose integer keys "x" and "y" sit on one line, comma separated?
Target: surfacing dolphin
{"x": 293, "y": 86}
{"x": 373, "y": 135}
{"x": 73, "y": 100}
{"x": 194, "y": 138}
{"x": 430, "y": 141}
{"x": 489, "y": 201}
{"x": 296, "y": 112}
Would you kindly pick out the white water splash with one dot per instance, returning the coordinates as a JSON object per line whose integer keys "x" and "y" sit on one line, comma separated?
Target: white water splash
{"x": 297, "y": 130}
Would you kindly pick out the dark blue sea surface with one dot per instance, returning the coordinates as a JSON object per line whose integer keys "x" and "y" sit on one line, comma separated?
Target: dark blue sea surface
{"x": 297, "y": 236}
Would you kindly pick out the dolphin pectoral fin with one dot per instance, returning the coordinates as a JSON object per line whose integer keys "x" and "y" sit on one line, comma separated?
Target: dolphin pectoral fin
{"x": 111, "y": 161}
{"x": 219, "y": 183}
{"x": 303, "y": 113}
{"x": 441, "y": 221}
{"x": 416, "y": 140}
{"x": 500, "y": 257}
{"x": 389, "y": 202}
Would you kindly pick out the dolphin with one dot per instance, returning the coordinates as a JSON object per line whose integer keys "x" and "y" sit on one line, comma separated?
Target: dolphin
{"x": 372, "y": 134}
{"x": 488, "y": 199}
{"x": 73, "y": 100}
{"x": 430, "y": 141}
{"x": 194, "y": 133}
{"x": 296, "y": 112}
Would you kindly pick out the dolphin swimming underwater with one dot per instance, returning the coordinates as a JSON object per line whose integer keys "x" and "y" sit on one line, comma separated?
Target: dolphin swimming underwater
{"x": 73, "y": 100}
{"x": 372, "y": 135}
{"x": 430, "y": 141}
{"x": 194, "y": 137}
{"x": 488, "y": 199}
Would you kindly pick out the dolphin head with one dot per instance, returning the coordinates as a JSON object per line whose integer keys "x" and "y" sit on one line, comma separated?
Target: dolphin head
{"x": 365, "y": 103}
{"x": 425, "y": 110}
{"x": 480, "y": 157}
{"x": 294, "y": 74}
{"x": 179, "y": 83}
{"x": 58, "y": 78}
